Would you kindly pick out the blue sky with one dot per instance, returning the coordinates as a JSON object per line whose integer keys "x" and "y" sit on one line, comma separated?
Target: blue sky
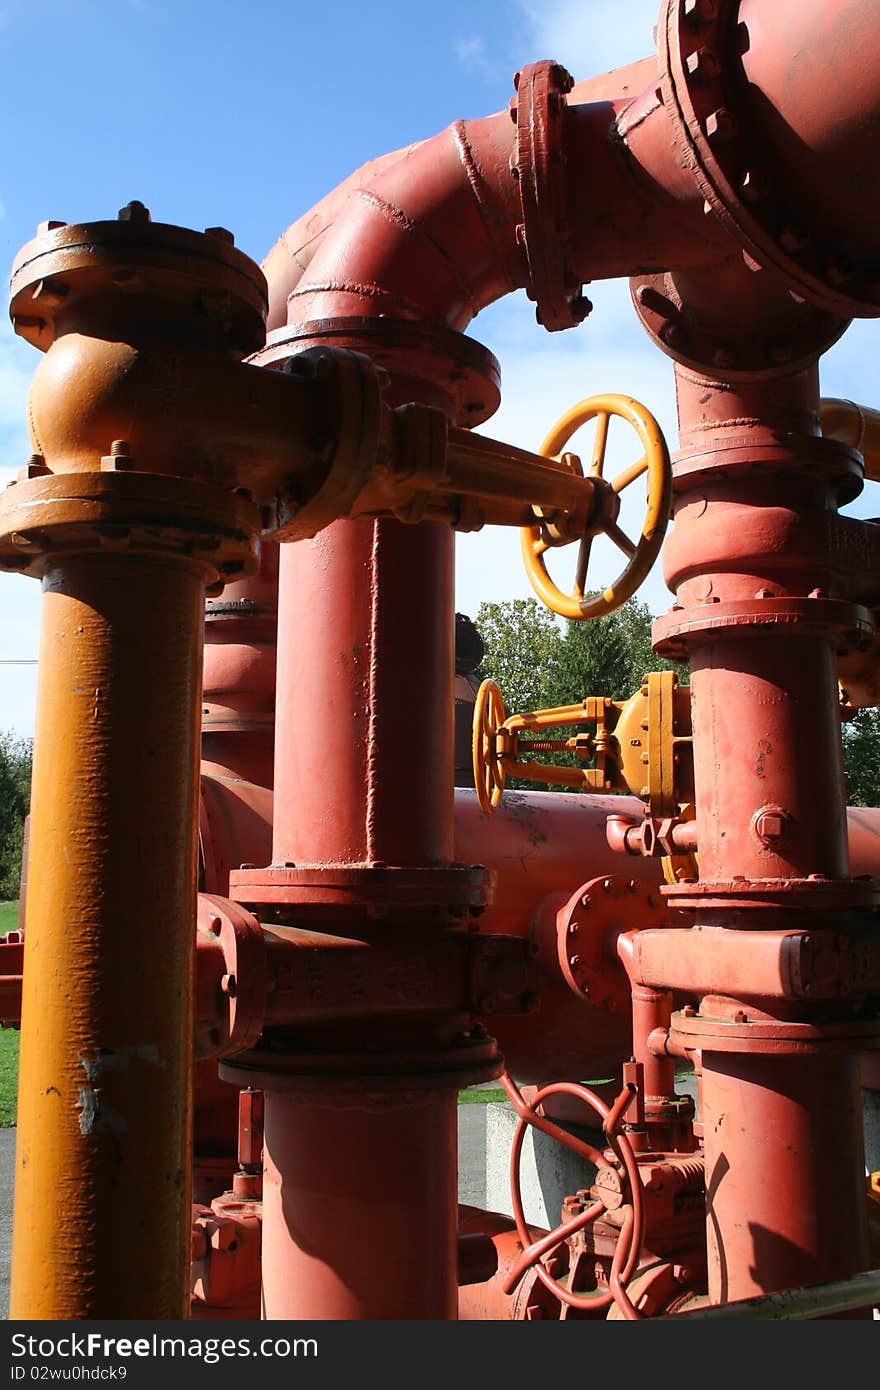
{"x": 243, "y": 115}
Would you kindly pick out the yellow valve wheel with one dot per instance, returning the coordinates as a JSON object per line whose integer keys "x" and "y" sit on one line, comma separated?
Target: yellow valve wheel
{"x": 489, "y": 773}
{"x": 640, "y": 554}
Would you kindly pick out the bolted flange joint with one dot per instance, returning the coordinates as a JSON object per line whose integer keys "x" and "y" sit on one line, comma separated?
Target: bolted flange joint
{"x": 538, "y": 109}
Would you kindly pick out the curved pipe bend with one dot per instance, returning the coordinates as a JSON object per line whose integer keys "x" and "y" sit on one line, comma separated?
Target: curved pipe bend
{"x": 429, "y": 232}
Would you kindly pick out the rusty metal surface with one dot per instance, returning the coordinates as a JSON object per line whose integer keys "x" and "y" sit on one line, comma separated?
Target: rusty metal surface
{"x": 756, "y": 582}
{"x": 538, "y": 109}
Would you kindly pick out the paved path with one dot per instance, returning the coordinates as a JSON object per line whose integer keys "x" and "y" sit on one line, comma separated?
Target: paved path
{"x": 7, "y": 1171}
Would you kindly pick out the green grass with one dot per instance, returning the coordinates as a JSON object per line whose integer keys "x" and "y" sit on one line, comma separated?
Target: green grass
{"x": 8, "y": 1039}
{"x": 8, "y": 1076}
{"x": 8, "y": 917}
{"x": 485, "y": 1097}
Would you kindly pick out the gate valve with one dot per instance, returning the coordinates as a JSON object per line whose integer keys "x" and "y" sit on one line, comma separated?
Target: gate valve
{"x": 640, "y": 555}
{"x": 617, "y": 1189}
{"x": 642, "y": 745}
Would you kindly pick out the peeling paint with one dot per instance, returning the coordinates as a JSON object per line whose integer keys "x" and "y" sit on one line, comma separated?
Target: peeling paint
{"x": 96, "y": 1116}
{"x": 119, "y": 1059}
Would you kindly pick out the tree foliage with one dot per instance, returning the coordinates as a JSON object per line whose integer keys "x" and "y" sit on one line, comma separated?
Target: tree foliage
{"x": 522, "y": 645}
{"x": 15, "y": 792}
{"x": 539, "y": 662}
{"x": 861, "y": 758}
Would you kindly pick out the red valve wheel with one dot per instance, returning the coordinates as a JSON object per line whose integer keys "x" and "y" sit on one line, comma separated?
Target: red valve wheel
{"x": 629, "y": 1246}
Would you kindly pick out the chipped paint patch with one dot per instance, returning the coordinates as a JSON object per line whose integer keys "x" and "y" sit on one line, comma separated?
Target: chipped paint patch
{"x": 119, "y": 1059}
{"x": 96, "y": 1116}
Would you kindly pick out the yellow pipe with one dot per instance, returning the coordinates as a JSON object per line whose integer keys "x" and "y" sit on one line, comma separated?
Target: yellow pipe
{"x": 855, "y": 425}
{"x": 102, "y": 1217}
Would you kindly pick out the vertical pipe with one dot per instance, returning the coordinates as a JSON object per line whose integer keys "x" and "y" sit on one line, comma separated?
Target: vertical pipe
{"x": 781, "y": 1118}
{"x": 102, "y": 1189}
{"x": 651, "y": 1009}
{"x": 364, "y": 769}
{"x": 360, "y": 1206}
{"x": 783, "y": 748}
{"x": 355, "y": 1197}
{"x": 784, "y": 1172}
{"x": 238, "y": 708}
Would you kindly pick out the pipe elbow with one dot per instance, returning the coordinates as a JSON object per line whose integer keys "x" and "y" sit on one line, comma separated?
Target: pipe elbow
{"x": 293, "y": 252}
{"x": 855, "y": 425}
{"x": 427, "y": 235}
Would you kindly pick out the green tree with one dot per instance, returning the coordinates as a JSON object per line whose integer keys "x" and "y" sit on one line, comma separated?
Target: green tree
{"x": 522, "y": 644}
{"x": 861, "y": 758}
{"x": 607, "y": 656}
{"x": 15, "y": 792}
{"x": 537, "y": 663}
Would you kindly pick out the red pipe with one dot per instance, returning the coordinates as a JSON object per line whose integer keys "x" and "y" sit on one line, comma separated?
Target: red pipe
{"x": 812, "y": 70}
{"x": 433, "y": 236}
{"x": 779, "y": 1133}
{"x": 429, "y": 232}
{"x": 364, "y": 776}
{"x": 238, "y": 691}
{"x": 760, "y": 613}
{"x": 360, "y": 782}
{"x": 360, "y": 1206}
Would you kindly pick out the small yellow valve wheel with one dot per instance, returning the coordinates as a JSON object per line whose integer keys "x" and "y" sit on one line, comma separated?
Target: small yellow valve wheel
{"x": 489, "y": 773}
{"x": 640, "y": 554}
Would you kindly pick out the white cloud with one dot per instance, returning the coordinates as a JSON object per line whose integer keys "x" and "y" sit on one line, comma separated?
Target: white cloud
{"x": 588, "y": 36}
{"x": 473, "y": 55}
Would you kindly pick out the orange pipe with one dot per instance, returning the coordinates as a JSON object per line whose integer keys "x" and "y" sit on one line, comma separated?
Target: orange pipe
{"x": 105, "y": 1078}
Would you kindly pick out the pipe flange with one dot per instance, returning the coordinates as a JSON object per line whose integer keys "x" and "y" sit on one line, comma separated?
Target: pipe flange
{"x": 197, "y": 275}
{"x": 348, "y": 442}
{"x": 727, "y": 1025}
{"x": 241, "y": 998}
{"x": 813, "y": 894}
{"x": 460, "y": 367}
{"x": 687, "y": 339}
{"x": 848, "y": 625}
{"x": 363, "y": 1080}
{"x": 587, "y": 930}
{"x": 373, "y": 890}
{"x": 147, "y": 513}
{"x": 699, "y": 44}
{"x": 746, "y": 451}
{"x": 538, "y": 165}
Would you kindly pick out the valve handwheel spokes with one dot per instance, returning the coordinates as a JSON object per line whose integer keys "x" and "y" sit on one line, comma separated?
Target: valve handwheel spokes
{"x": 640, "y": 554}
{"x": 629, "y": 1245}
{"x": 489, "y": 771}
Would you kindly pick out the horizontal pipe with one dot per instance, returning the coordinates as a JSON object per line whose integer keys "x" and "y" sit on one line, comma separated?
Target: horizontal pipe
{"x": 485, "y": 467}
{"x": 796, "y": 1305}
